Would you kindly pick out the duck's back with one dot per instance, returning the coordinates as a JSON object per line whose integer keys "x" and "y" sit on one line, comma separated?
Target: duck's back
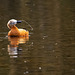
{"x": 23, "y": 32}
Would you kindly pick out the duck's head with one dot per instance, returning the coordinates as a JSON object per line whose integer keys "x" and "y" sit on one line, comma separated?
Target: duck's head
{"x": 12, "y": 22}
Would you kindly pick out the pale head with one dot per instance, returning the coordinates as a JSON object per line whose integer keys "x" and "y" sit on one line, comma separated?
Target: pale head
{"x": 11, "y": 23}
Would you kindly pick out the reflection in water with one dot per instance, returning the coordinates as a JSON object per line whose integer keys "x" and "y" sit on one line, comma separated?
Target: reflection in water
{"x": 13, "y": 47}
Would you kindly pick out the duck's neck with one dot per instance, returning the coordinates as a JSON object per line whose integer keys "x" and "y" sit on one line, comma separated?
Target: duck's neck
{"x": 14, "y": 27}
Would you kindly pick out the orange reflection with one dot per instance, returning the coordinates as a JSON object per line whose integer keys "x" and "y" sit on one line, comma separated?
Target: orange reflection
{"x": 14, "y": 42}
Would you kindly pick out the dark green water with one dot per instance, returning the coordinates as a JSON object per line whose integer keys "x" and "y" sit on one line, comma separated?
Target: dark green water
{"x": 50, "y": 48}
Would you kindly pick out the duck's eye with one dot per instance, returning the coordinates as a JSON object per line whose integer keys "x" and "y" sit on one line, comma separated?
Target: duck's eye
{"x": 13, "y": 23}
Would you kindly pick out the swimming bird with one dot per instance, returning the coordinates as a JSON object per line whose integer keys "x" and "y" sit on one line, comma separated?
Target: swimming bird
{"x": 15, "y": 31}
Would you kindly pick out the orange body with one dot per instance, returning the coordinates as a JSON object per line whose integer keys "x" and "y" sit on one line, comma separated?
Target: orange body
{"x": 18, "y": 32}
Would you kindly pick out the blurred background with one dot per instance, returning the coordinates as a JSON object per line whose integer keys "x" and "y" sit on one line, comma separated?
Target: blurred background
{"x": 50, "y": 47}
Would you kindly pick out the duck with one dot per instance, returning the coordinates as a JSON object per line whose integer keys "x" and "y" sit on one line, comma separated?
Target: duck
{"x": 15, "y": 31}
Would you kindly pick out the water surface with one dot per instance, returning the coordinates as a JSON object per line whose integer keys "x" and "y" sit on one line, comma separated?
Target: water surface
{"x": 49, "y": 49}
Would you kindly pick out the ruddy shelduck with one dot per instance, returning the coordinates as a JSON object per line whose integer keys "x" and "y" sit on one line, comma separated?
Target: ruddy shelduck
{"x": 14, "y": 31}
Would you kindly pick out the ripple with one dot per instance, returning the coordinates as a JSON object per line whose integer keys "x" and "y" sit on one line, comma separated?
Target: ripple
{"x": 26, "y": 72}
{"x": 40, "y": 68}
